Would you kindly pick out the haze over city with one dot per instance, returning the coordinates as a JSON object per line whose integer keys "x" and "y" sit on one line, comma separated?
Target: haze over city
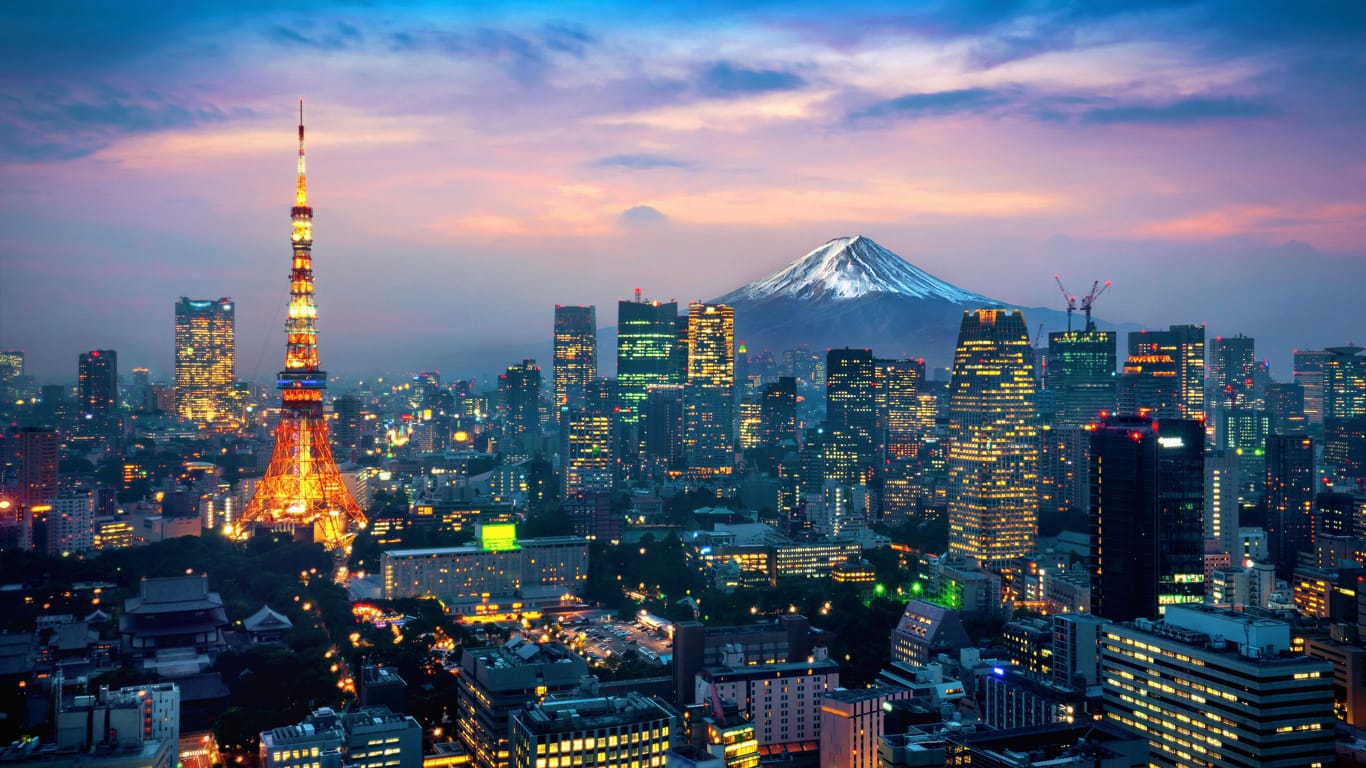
{"x": 473, "y": 167}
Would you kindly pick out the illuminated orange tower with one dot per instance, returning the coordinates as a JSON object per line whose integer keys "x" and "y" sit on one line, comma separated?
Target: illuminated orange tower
{"x": 302, "y": 486}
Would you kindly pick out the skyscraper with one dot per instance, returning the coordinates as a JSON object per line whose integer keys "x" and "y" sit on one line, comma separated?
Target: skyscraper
{"x": 302, "y": 488}
{"x": 1185, "y": 344}
{"x": 662, "y": 430}
{"x": 778, "y": 412}
{"x": 1081, "y": 375}
{"x": 1289, "y": 498}
{"x": 1309, "y": 365}
{"x": 1147, "y": 516}
{"x": 1344, "y": 383}
{"x": 350, "y": 423}
{"x": 1232, "y": 362}
{"x": 903, "y": 419}
{"x": 38, "y": 455}
{"x": 520, "y": 390}
{"x": 99, "y": 384}
{"x": 647, "y": 341}
{"x": 850, "y": 414}
{"x": 586, "y": 456}
{"x": 11, "y": 371}
{"x": 1151, "y": 385}
{"x": 205, "y": 361}
{"x": 709, "y": 396}
{"x": 575, "y": 364}
{"x": 1285, "y": 408}
{"x": 993, "y": 439}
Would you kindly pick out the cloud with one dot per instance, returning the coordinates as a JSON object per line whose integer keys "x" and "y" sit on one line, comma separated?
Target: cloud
{"x": 62, "y": 126}
{"x": 1193, "y": 110}
{"x": 340, "y": 37}
{"x": 970, "y": 100}
{"x": 567, "y": 38}
{"x": 639, "y": 162}
{"x": 724, "y": 78}
{"x": 642, "y": 215}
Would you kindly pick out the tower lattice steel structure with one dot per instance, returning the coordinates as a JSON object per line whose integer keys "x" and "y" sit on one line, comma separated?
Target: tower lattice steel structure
{"x": 302, "y": 486}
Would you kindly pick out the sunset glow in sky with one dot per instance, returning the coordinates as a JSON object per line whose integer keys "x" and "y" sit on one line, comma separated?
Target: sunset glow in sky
{"x": 469, "y": 169}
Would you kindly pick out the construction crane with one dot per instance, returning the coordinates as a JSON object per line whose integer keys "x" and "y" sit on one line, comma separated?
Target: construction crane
{"x": 1071, "y": 301}
{"x": 1096, "y": 290}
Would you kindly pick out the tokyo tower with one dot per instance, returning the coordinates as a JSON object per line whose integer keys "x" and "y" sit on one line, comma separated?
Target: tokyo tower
{"x": 302, "y": 486}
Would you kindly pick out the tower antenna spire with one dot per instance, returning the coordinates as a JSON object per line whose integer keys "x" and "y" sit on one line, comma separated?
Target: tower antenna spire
{"x": 301, "y": 195}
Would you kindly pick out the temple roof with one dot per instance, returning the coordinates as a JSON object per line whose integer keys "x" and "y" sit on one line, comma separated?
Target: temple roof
{"x": 266, "y": 619}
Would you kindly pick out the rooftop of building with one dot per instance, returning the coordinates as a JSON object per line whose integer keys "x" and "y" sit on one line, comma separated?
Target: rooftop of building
{"x": 1056, "y": 744}
{"x": 1217, "y": 629}
{"x": 173, "y": 594}
{"x": 372, "y": 675}
{"x": 853, "y": 695}
{"x": 779, "y": 669}
{"x": 575, "y": 713}
{"x": 518, "y": 652}
{"x": 544, "y": 541}
{"x": 376, "y": 716}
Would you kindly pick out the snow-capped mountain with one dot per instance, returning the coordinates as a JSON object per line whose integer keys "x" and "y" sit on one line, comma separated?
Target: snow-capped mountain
{"x": 849, "y": 268}
{"x": 852, "y": 292}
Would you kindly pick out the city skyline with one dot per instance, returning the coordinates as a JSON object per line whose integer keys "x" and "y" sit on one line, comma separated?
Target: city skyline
{"x": 1198, "y": 155}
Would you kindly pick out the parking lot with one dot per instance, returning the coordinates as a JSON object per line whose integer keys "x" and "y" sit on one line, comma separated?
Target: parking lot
{"x": 600, "y": 642}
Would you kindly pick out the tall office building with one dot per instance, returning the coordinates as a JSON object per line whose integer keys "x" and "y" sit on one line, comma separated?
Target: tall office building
{"x": 205, "y": 361}
{"x": 520, "y": 390}
{"x": 1285, "y": 408}
{"x": 1344, "y": 448}
{"x": 661, "y": 430}
{"x": 1233, "y": 360}
{"x": 1344, "y": 383}
{"x": 98, "y": 384}
{"x": 1081, "y": 375}
{"x": 1309, "y": 366}
{"x": 586, "y": 454}
{"x": 1185, "y": 344}
{"x": 647, "y": 346}
{"x": 38, "y": 456}
{"x": 575, "y": 364}
{"x": 778, "y": 412}
{"x": 11, "y": 371}
{"x": 1147, "y": 523}
{"x": 349, "y": 412}
{"x": 1217, "y": 688}
{"x": 993, "y": 462}
{"x": 851, "y": 414}
{"x": 904, "y": 419}
{"x": 1064, "y": 479}
{"x": 1222, "y": 510}
{"x": 1289, "y": 499}
{"x": 1151, "y": 385}
{"x": 709, "y": 395}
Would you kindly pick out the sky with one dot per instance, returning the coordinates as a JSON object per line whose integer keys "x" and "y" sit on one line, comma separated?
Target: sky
{"x": 471, "y": 167}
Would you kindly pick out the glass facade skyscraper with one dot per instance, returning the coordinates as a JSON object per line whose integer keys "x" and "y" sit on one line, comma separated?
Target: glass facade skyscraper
{"x": 647, "y": 342}
{"x": 709, "y": 395}
{"x": 575, "y": 363}
{"x": 1185, "y": 344}
{"x": 850, "y": 414}
{"x": 205, "y": 361}
{"x": 993, "y": 464}
{"x": 1081, "y": 375}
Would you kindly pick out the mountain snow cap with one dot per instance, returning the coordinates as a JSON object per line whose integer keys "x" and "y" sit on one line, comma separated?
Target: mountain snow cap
{"x": 848, "y": 268}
